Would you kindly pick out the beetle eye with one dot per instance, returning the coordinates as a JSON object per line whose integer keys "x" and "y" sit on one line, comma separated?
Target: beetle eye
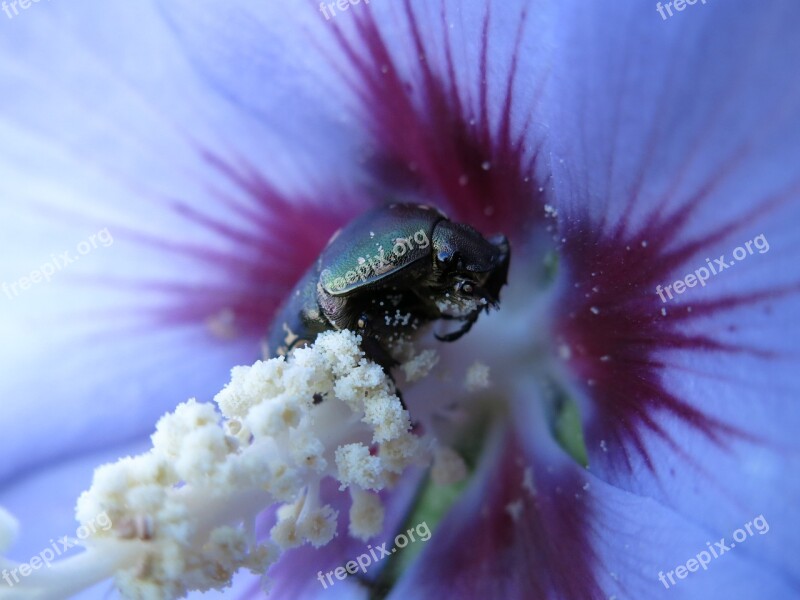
{"x": 448, "y": 257}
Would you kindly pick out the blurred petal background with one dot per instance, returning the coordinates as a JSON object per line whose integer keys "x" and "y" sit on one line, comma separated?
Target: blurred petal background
{"x": 219, "y": 145}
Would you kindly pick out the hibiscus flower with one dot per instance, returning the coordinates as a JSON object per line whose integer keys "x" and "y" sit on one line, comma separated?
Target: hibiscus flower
{"x": 169, "y": 171}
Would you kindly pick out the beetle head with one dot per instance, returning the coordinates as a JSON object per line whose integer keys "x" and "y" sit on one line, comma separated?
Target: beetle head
{"x": 469, "y": 268}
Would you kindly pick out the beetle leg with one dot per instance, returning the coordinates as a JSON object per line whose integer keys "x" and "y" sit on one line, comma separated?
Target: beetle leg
{"x": 488, "y": 299}
{"x": 376, "y": 352}
{"x": 445, "y": 317}
{"x": 468, "y": 323}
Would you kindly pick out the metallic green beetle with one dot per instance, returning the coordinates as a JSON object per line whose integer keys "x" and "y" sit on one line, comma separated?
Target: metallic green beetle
{"x": 388, "y": 273}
